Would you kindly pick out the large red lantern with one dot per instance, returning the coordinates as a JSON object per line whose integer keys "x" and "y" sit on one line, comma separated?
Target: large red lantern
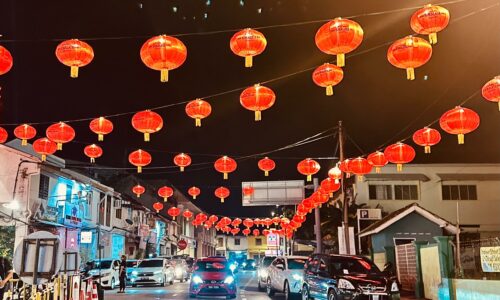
{"x": 222, "y": 193}
{"x": 194, "y": 192}
{"x": 74, "y": 54}
{"x": 491, "y": 90}
{"x": 60, "y": 133}
{"x": 409, "y": 53}
{"x": 138, "y": 190}
{"x": 182, "y": 160}
{"x": 225, "y": 165}
{"x": 225, "y": 221}
{"x": 202, "y": 217}
{"x": 360, "y": 166}
{"x": 25, "y": 132}
{"x": 147, "y": 122}
{"x": 173, "y": 212}
{"x": 187, "y": 214}
{"x": 399, "y": 154}
{"x": 338, "y": 37}
{"x": 158, "y": 206}
{"x": 198, "y": 109}
{"x": 330, "y": 186}
{"x": 4, "y": 135}
{"x": 426, "y": 137}
{"x": 163, "y": 53}
{"x": 93, "y": 151}
{"x": 328, "y": 76}
{"x": 248, "y": 191}
{"x": 335, "y": 173}
{"x": 248, "y": 43}
{"x": 267, "y": 165}
{"x": 459, "y": 121}
{"x": 344, "y": 167}
{"x": 430, "y": 20}
{"x": 308, "y": 167}
{"x": 248, "y": 222}
{"x": 257, "y": 98}
{"x": 101, "y": 126}
{"x": 378, "y": 160}
{"x": 140, "y": 159}
{"x": 6, "y": 60}
{"x": 44, "y": 147}
{"x": 165, "y": 192}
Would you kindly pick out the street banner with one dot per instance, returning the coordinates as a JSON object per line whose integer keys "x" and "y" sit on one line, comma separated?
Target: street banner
{"x": 490, "y": 259}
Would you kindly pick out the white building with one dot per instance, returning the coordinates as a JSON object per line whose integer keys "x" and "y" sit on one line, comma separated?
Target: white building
{"x": 232, "y": 246}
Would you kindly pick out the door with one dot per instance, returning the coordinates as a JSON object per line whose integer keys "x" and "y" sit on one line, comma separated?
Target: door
{"x": 323, "y": 277}
{"x": 278, "y": 274}
{"x": 406, "y": 264}
{"x": 310, "y": 275}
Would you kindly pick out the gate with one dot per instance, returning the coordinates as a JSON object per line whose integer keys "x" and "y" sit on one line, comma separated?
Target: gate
{"x": 406, "y": 264}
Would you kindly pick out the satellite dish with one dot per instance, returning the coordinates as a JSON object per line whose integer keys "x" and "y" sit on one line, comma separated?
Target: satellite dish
{"x": 129, "y": 222}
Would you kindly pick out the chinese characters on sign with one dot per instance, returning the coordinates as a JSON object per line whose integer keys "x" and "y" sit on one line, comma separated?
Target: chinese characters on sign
{"x": 490, "y": 259}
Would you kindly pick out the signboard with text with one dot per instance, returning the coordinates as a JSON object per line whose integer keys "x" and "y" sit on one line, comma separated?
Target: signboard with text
{"x": 370, "y": 214}
{"x": 490, "y": 259}
{"x": 271, "y": 193}
{"x": 352, "y": 245}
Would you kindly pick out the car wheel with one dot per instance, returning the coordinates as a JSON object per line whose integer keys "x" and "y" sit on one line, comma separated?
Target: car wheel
{"x": 259, "y": 285}
{"x": 112, "y": 286}
{"x": 269, "y": 288}
{"x": 164, "y": 281}
{"x": 332, "y": 295}
{"x": 171, "y": 281}
{"x": 305, "y": 293}
{"x": 288, "y": 295}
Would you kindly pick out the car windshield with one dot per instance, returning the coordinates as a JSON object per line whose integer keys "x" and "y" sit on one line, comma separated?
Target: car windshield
{"x": 150, "y": 263}
{"x": 296, "y": 263}
{"x": 352, "y": 265}
{"x": 266, "y": 261}
{"x": 103, "y": 264}
{"x": 211, "y": 266}
{"x": 132, "y": 263}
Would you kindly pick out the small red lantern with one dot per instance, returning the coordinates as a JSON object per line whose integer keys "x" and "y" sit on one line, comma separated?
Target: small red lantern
{"x": 202, "y": 217}
{"x": 360, "y": 166}
{"x": 165, "y": 192}
{"x": 236, "y": 222}
{"x": 338, "y": 37}
{"x": 267, "y": 165}
{"x": 25, "y": 132}
{"x": 140, "y": 159}
{"x": 6, "y": 60}
{"x": 257, "y": 222}
{"x": 213, "y": 218}
{"x": 328, "y": 76}
{"x": 138, "y": 190}
{"x": 256, "y": 232}
{"x": 248, "y": 190}
{"x": 147, "y": 122}
{"x": 4, "y": 135}
{"x": 93, "y": 151}
{"x": 194, "y": 192}
{"x": 248, "y": 222}
{"x": 187, "y": 214}
{"x": 430, "y": 20}
{"x": 409, "y": 53}
{"x": 330, "y": 186}
{"x": 319, "y": 198}
{"x": 308, "y": 167}
{"x": 101, "y": 126}
{"x": 268, "y": 222}
{"x": 459, "y": 121}
{"x": 222, "y": 193}
{"x": 225, "y": 221}
{"x": 335, "y": 173}
{"x": 60, "y": 133}
{"x": 266, "y": 232}
{"x": 235, "y": 231}
{"x": 399, "y": 154}
{"x": 225, "y": 165}
{"x": 163, "y": 53}
{"x": 276, "y": 220}
{"x": 378, "y": 160}
{"x": 198, "y": 109}
{"x": 173, "y": 212}
{"x": 299, "y": 219}
{"x": 491, "y": 90}
{"x": 246, "y": 231}
{"x": 74, "y": 54}
{"x": 302, "y": 210}
{"x": 158, "y": 206}
{"x": 344, "y": 167}
{"x": 308, "y": 204}
{"x": 257, "y": 98}
{"x": 248, "y": 43}
{"x": 426, "y": 137}
{"x": 182, "y": 160}
{"x": 44, "y": 147}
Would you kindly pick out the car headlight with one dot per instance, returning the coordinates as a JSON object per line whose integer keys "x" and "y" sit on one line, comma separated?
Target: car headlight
{"x": 157, "y": 272}
{"x": 103, "y": 274}
{"x": 178, "y": 271}
{"x": 344, "y": 284}
{"x": 244, "y": 264}
{"x": 135, "y": 273}
{"x": 297, "y": 277}
{"x": 253, "y": 264}
{"x": 394, "y": 287}
{"x": 232, "y": 267}
{"x": 263, "y": 273}
{"x": 197, "y": 279}
{"x": 229, "y": 280}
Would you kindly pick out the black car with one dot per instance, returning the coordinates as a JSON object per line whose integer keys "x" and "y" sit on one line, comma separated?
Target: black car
{"x": 346, "y": 277}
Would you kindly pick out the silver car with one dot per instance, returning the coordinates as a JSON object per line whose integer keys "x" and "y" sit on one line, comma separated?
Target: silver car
{"x": 153, "y": 271}
{"x": 181, "y": 269}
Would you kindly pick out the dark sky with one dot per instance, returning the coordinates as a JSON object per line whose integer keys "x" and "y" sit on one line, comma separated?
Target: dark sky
{"x": 375, "y": 101}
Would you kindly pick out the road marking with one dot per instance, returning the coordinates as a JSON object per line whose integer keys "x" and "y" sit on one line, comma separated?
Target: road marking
{"x": 174, "y": 295}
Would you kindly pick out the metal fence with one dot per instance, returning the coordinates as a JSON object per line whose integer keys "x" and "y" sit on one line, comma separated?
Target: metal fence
{"x": 470, "y": 260}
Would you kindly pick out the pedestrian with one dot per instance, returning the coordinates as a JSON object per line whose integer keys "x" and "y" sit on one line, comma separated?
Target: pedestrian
{"x": 6, "y": 273}
{"x": 123, "y": 274}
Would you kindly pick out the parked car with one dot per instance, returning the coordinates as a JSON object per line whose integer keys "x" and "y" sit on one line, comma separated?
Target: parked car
{"x": 262, "y": 271}
{"x": 108, "y": 270}
{"x": 180, "y": 269}
{"x": 335, "y": 277}
{"x": 153, "y": 271}
{"x": 249, "y": 264}
{"x": 285, "y": 274}
{"x": 131, "y": 265}
{"x": 212, "y": 277}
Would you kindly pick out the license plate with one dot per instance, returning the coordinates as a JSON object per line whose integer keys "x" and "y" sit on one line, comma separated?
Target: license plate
{"x": 213, "y": 287}
{"x": 375, "y": 297}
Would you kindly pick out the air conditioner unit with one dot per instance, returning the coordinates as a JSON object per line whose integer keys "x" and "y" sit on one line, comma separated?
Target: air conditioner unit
{"x": 117, "y": 203}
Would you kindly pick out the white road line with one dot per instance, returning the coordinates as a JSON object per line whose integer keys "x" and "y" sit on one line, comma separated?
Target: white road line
{"x": 174, "y": 295}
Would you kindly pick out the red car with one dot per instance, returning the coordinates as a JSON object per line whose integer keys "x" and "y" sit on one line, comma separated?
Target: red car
{"x": 212, "y": 277}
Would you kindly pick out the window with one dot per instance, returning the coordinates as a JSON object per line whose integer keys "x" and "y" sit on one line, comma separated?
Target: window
{"x": 459, "y": 192}
{"x": 43, "y": 190}
{"x": 380, "y": 192}
{"x": 220, "y": 242}
{"x": 258, "y": 242}
{"x": 102, "y": 204}
{"x": 118, "y": 213}
{"x": 406, "y": 192}
{"x": 108, "y": 210}
{"x": 236, "y": 242}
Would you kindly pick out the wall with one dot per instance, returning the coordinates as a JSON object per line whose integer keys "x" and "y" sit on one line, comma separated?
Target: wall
{"x": 231, "y": 246}
{"x": 431, "y": 274}
{"x": 255, "y": 250}
{"x": 379, "y": 260}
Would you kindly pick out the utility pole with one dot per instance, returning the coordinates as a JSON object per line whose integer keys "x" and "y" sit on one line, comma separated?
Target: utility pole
{"x": 345, "y": 209}
{"x": 317, "y": 223}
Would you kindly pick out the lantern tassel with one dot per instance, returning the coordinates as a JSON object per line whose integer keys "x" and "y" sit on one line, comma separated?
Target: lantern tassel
{"x": 74, "y": 72}
{"x": 225, "y": 176}
{"x": 221, "y": 200}
{"x": 138, "y": 195}
{"x": 44, "y": 157}
{"x": 410, "y": 74}
{"x": 266, "y": 173}
{"x": 182, "y": 169}
{"x": 59, "y": 146}
{"x": 164, "y": 75}
{"x": 309, "y": 177}
{"x": 340, "y": 60}
{"x": 331, "y": 195}
{"x": 399, "y": 167}
{"x": 197, "y": 122}
{"x": 248, "y": 61}
{"x": 329, "y": 90}
{"x": 100, "y": 137}
{"x": 92, "y": 160}
{"x": 427, "y": 149}
{"x": 139, "y": 169}
{"x": 165, "y": 199}
{"x": 461, "y": 138}
{"x": 147, "y": 137}
{"x": 24, "y": 142}
{"x": 498, "y": 105}
{"x": 258, "y": 115}
{"x": 194, "y": 197}
{"x": 433, "y": 38}
{"x": 377, "y": 169}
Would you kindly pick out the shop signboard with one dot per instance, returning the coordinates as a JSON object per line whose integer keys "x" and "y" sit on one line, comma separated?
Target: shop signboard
{"x": 490, "y": 259}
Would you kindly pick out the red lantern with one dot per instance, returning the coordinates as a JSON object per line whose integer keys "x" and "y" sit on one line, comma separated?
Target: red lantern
{"x": 257, "y": 222}
{"x": 198, "y": 109}
{"x": 187, "y": 214}
{"x": 165, "y": 192}
{"x": 360, "y": 166}
{"x": 173, "y": 212}
{"x": 6, "y": 60}
{"x": 267, "y": 165}
{"x": 256, "y": 232}
{"x": 491, "y": 90}
{"x": 378, "y": 160}
{"x": 319, "y": 198}
{"x": 459, "y": 121}
{"x": 338, "y": 37}
{"x": 399, "y": 154}
{"x": 265, "y": 232}
{"x": 248, "y": 222}
{"x": 158, "y": 206}
{"x": 236, "y": 222}
{"x": 308, "y": 204}
{"x": 138, "y": 190}
{"x": 246, "y": 231}
{"x": 25, "y": 132}
{"x": 308, "y": 167}
{"x": 426, "y": 137}
{"x": 248, "y": 43}
{"x": 248, "y": 191}
{"x": 182, "y": 160}
{"x": 163, "y": 53}
{"x": 202, "y": 217}
{"x": 328, "y": 76}
{"x": 74, "y": 54}
{"x": 213, "y": 218}
{"x": 225, "y": 221}
{"x": 101, "y": 126}
{"x": 225, "y": 165}
{"x": 222, "y": 193}
{"x": 235, "y": 231}
{"x": 4, "y": 135}
{"x": 430, "y": 20}
{"x": 60, "y": 133}
{"x": 299, "y": 219}
{"x": 335, "y": 173}
{"x": 268, "y": 222}
{"x": 147, "y": 122}
{"x": 194, "y": 192}
{"x": 44, "y": 147}
{"x": 140, "y": 159}
{"x": 409, "y": 53}
{"x": 276, "y": 220}
{"x": 257, "y": 98}
{"x": 330, "y": 186}
{"x": 344, "y": 167}
{"x": 93, "y": 151}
